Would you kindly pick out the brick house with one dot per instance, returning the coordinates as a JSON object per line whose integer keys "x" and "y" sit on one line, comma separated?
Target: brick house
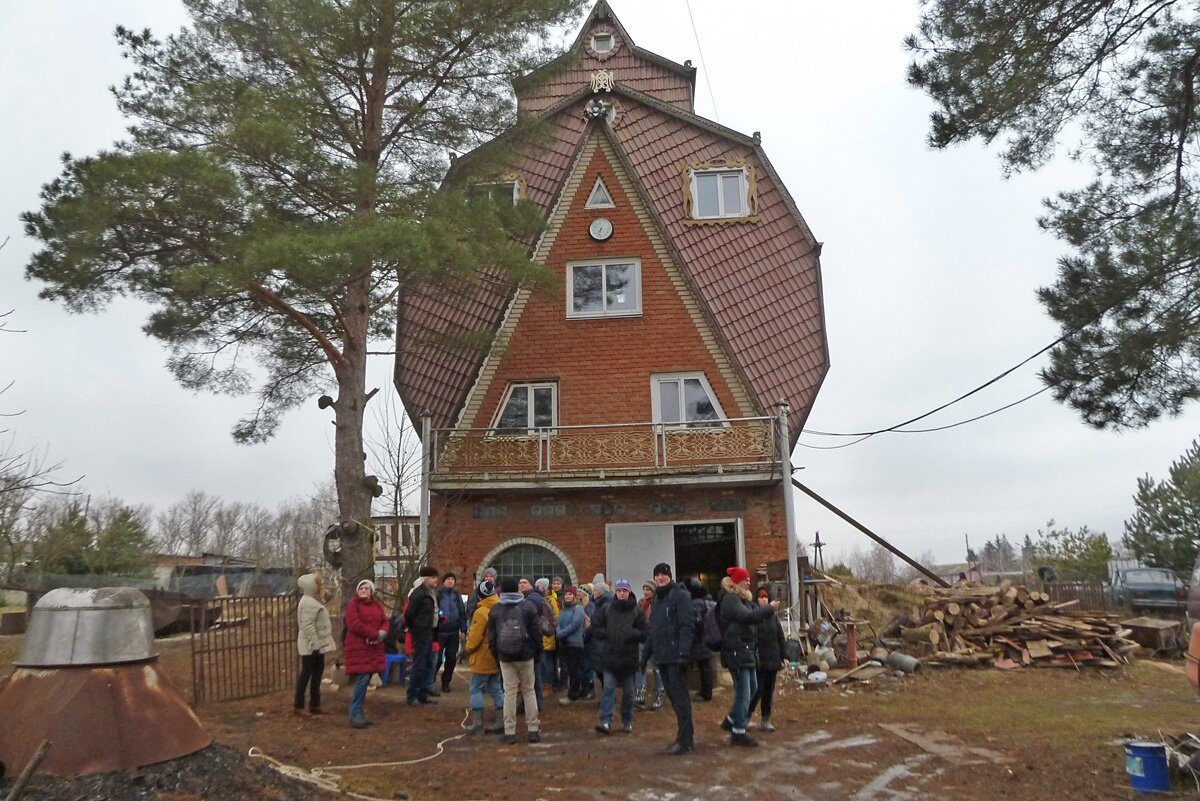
{"x": 634, "y": 414}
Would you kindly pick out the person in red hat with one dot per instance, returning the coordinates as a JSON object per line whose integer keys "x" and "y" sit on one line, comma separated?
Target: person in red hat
{"x": 739, "y": 619}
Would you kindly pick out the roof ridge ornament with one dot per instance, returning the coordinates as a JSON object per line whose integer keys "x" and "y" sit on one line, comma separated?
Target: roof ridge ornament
{"x": 603, "y": 81}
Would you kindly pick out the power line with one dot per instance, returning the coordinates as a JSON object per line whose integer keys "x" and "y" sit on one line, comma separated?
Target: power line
{"x": 700, "y": 50}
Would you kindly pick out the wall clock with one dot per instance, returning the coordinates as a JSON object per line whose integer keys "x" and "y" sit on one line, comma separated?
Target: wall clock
{"x": 600, "y": 229}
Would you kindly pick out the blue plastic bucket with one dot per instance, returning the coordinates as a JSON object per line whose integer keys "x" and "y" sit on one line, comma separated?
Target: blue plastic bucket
{"x": 1146, "y": 764}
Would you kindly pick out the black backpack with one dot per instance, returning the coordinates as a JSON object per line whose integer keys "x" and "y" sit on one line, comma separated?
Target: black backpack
{"x": 711, "y": 630}
{"x": 512, "y": 638}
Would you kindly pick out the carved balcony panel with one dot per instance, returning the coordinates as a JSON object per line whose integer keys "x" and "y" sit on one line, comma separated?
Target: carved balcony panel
{"x": 582, "y": 448}
{"x": 751, "y": 442}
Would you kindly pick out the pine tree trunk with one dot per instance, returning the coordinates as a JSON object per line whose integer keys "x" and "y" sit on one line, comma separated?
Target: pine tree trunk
{"x": 354, "y": 497}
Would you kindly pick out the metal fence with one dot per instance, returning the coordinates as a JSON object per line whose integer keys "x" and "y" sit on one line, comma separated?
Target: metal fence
{"x": 243, "y": 646}
{"x": 1090, "y": 594}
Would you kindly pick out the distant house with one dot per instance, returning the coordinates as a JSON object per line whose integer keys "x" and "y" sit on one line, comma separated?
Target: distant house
{"x": 634, "y": 416}
{"x": 398, "y": 548}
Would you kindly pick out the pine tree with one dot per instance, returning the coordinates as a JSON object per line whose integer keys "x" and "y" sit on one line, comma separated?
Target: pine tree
{"x": 1121, "y": 76}
{"x": 279, "y": 188}
{"x": 1165, "y": 528}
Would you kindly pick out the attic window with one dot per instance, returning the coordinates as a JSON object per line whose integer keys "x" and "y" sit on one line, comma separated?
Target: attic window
{"x": 526, "y": 409}
{"x": 506, "y": 192}
{"x": 721, "y": 191}
{"x": 600, "y": 197}
{"x": 602, "y": 42}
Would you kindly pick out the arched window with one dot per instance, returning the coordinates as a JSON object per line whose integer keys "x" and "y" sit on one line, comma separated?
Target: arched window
{"x": 532, "y": 561}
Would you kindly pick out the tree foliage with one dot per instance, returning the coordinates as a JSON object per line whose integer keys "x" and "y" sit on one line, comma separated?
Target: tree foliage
{"x": 278, "y": 189}
{"x": 1165, "y": 528}
{"x": 68, "y": 537}
{"x": 1120, "y": 76}
{"x": 1075, "y": 554}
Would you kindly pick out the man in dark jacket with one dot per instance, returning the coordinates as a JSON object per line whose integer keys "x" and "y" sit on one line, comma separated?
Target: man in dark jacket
{"x": 452, "y": 626}
{"x": 421, "y": 619}
{"x": 739, "y": 619}
{"x": 672, "y": 631}
{"x": 516, "y": 661}
{"x": 618, "y": 631}
{"x": 701, "y": 654}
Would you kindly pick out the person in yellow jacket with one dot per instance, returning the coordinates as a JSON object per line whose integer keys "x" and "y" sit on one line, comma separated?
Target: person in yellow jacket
{"x": 549, "y": 660}
{"x": 485, "y": 670}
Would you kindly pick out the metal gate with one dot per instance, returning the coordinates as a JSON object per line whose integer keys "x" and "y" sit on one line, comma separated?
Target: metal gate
{"x": 243, "y": 646}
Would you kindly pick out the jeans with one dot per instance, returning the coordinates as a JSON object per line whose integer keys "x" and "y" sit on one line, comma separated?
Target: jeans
{"x": 492, "y": 685}
{"x": 537, "y": 678}
{"x": 518, "y": 677}
{"x": 448, "y": 643}
{"x": 745, "y": 684}
{"x": 608, "y": 700}
{"x": 549, "y": 668}
{"x": 674, "y": 680}
{"x": 312, "y": 667}
{"x": 420, "y": 680}
{"x": 358, "y": 696}
{"x": 765, "y": 693}
{"x": 706, "y": 678}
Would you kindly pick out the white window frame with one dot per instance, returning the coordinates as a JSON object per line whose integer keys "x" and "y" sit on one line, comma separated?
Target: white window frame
{"x": 656, "y": 379}
{"x": 612, "y": 42}
{"x": 530, "y": 430}
{"x": 590, "y": 204}
{"x": 514, "y": 184}
{"x": 634, "y": 311}
{"x": 723, "y": 213}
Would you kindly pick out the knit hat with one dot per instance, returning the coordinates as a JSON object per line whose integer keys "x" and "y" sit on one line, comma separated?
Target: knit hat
{"x": 738, "y": 574}
{"x": 368, "y": 582}
{"x": 695, "y": 588}
{"x": 556, "y": 578}
{"x": 597, "y": 579}
{"x": 450, "y": 575}
{"x": 542, "y": 584}
{"x": 763, "y": 592}
{"x": 600, "y": 587}
{"x": 491, "y": 573}
{"x": 662, "y": 568}
{"x": 428, "y": 570}
{"x": 486, "y": 589}
{"x": 584, "y": 588}
{"x": 647, "y": 585}
{"x": 622, "y": 584}
{"x": 508, "y": 584}
{"x": 569, "y": 591}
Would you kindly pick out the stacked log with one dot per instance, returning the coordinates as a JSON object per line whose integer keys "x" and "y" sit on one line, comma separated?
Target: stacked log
{"x": 1010, "y": 626}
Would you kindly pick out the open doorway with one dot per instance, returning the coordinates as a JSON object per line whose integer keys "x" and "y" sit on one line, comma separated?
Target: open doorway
{"x": 704, "y": 550}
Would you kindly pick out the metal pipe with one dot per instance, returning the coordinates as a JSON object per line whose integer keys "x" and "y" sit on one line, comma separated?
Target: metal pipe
{"x": 426, "y": 455}
{"x": 903, "y": 556}
{"x": 789, "y": 506}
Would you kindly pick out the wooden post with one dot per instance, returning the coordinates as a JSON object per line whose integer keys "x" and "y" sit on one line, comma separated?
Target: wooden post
{"x": 18, "y": 789}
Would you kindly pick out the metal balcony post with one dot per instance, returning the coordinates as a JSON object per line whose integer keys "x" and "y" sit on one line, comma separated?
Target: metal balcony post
{"x": 428, "y": 454}
{"x": 789, "y": 505}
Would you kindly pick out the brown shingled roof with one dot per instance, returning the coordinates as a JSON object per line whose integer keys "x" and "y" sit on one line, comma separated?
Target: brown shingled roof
{"x": 760, "y": 281}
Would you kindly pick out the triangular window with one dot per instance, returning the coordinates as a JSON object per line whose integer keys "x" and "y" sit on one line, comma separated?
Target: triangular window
{"x": 599, "y": 197}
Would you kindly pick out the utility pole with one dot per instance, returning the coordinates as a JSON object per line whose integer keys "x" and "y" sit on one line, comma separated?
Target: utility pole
{"x": 818, "y": 557}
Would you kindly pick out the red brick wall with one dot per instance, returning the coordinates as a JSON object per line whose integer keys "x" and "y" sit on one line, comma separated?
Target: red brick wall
{"x": 460, "y": 540}
{"x": 603, "y": 366}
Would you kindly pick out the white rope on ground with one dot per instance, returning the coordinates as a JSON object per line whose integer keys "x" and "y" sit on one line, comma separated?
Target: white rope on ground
{"x": 326, "y": 779}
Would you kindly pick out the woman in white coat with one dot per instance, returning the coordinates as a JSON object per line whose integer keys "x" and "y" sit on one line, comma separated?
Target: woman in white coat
{"x": 314, "y": 640}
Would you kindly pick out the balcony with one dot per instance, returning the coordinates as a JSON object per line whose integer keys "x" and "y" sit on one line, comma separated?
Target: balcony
{"x": 741, "y": 451}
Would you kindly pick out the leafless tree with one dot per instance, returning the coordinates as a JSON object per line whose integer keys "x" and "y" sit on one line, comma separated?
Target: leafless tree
{"x": 876, "y": 564}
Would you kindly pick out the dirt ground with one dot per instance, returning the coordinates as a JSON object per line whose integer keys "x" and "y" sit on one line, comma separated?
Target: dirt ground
{"x": 971, "y": 735}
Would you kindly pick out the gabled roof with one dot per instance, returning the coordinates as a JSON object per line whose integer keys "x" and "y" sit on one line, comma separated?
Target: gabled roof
{"x": 759, "y": 282}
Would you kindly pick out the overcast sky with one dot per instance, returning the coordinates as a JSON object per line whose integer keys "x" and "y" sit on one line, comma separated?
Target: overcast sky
{"x": 930, "y": 266}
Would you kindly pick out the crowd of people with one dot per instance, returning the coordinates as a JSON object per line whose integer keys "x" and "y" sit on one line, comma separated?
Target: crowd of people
{"x": 527, "y": 639}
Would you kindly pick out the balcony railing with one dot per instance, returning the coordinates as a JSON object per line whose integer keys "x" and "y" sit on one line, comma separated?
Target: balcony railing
{"x": 744, "y": 444}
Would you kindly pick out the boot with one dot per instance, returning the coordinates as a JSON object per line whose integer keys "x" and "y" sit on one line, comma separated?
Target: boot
{"x": 445, "y": 685}
{"x": 476, "y": 726}
{"x": 659, "y": 697}
{"x": 744, "y": 740}
{"x": 639, "y": 697}
{"x": 497, "y": 726}
{"x": 766, "y": 725}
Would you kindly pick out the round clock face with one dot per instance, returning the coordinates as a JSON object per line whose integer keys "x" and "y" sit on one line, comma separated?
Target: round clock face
{"x": 600, "y": 229}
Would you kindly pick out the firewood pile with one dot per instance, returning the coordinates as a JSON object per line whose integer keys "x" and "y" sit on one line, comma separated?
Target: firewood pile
{"x": 1009, "y": 626}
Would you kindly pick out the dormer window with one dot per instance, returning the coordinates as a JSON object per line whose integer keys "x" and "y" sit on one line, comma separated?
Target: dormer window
{"x": 720, "y": 190}
{"x": 504, "y": 192}
{"x": 602, "y": 42}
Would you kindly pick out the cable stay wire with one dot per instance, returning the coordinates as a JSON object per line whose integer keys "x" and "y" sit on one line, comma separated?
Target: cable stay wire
{"x": 700, "y": 50}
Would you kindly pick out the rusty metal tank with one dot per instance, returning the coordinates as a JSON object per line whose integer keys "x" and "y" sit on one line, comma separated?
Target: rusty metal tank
{"x": 87, "y": 679}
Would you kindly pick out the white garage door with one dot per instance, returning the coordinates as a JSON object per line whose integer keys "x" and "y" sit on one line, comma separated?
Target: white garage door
{"x": 634, "y": 549}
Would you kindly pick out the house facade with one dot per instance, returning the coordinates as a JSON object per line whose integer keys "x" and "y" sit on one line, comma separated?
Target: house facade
{"x": 646, "y": 409}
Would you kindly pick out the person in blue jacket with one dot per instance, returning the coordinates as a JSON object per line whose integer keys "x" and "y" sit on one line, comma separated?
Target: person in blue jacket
{"x": 569, "y": 632}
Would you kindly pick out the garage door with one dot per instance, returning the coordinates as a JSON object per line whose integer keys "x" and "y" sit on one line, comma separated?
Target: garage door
{"x": 634, "y": 549}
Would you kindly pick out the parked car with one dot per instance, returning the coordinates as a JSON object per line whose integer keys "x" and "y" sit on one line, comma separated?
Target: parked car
{"x": 1149, "y": 589}
{"x": 1193, "y": 599}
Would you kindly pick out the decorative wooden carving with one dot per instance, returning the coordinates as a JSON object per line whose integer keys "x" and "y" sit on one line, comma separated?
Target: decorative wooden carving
{"x": 721, "y": 164}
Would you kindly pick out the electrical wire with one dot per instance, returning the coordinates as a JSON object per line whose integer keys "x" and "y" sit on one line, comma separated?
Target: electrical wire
{"x": 700, "y": 50}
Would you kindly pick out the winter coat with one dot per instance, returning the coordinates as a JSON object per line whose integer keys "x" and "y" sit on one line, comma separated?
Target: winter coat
{"x": 770, "y": 643}
{"x": 452, "y": 612}
{"x": 739, "y": 619}
{"x": 620, "y": 629}
{"x": 363, "y": 650}
{"x": 700, "y": 600}
{"x": 539, "y": 603}
{"x": 551, "y": 643}
{"x": 515, "y": 603}
{"x": 570, "y": 626}
{"x": 421, "y": 611}
{"x": 672, "y": 626}
{"x": 312, "y": 618}
{"x": 480, "y": 657}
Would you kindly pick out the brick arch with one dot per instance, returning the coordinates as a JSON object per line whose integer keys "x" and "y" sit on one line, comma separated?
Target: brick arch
{"x": 549, "y": 546}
